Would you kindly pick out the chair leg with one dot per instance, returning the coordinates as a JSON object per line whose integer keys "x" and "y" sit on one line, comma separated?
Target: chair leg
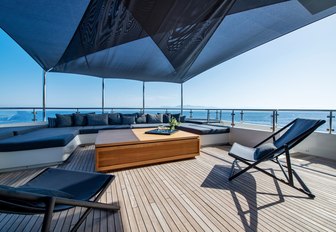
{"x": 289, "y": 167}
{"x": 233, "y": 168}
{"x": 50, "y": 204}
{"x": 81, "y": 220}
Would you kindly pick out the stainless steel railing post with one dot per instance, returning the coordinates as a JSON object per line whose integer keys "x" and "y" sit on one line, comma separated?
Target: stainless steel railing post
{"x": 232, "y": 118}
{"x": 274, "y": 119}
{"x": 220, "y": 115}
{"x": 208, "y": 116}
{"x": 34, "y": 115}
{"x": 330, "y": 116}
{"x": 190, "y": 113}
{"x": 241, "y": 116}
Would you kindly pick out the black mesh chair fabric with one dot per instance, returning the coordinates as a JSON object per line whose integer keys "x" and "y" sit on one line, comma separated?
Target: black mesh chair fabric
{"x": 60, "y": 183}
{"x": 155, "y": 40}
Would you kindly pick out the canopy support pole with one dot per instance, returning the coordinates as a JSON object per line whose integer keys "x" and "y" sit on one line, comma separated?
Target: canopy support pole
{"x": 103, "y": 94}
{"x": 181, "y": 99}
{"x": 44, "y": 92}
{"x": 143, "y": 97}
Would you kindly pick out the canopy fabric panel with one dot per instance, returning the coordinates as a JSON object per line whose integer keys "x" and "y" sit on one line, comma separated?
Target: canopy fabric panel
{"x": 152, "y": 40}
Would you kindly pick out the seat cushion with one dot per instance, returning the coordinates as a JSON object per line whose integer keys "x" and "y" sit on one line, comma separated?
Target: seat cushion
{"x": 249, "y": 153}
{"x": 42, "y": 138}
{"x": 202, "y": 129}
{"x": 96, "y": 129}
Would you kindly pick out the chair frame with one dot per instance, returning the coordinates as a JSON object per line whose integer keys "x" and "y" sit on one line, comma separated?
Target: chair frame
{"x": 273, "y": 156}
{"x": 52, "y": 201}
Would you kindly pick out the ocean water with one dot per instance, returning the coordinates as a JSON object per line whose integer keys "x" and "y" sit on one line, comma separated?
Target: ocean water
{"x": 251, "y": 117}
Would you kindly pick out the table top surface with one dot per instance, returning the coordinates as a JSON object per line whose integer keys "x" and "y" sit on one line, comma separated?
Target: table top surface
{"x": 137, "y": 136}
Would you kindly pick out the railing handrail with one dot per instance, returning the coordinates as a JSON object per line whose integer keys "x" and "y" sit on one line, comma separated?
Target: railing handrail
{"x": 220, "y": 111}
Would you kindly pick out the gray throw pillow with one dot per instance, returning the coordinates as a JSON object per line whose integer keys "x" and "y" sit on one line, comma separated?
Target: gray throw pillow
{"x": 263, "y": 150}
{"x": 114, "y": 119}
{"x": 97, "y": 119}
{"x": 128, "y": 120}
{"x": 141, "y": 119}
{"x": 64, "y": 120}
{"x": 154, "y": 118}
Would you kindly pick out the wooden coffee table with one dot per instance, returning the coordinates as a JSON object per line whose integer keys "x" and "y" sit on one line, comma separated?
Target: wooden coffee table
{"x": 117, "y": 149}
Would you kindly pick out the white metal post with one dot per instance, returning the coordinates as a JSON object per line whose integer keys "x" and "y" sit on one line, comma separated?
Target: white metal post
{"x": 181, "y": 99}
{"x": 143, "y": 97}
{"x": 44, "y": 92}
{"x": 103, "y": 94}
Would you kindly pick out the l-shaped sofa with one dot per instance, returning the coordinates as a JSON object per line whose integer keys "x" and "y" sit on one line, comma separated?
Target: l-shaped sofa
{"x": 50, "y": 144}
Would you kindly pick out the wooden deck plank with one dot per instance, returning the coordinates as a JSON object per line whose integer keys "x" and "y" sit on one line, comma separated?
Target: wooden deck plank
{"x": 195, "y": 195}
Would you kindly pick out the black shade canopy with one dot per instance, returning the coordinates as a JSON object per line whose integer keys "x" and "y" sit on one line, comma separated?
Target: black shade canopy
{"x": 150, "y": 40}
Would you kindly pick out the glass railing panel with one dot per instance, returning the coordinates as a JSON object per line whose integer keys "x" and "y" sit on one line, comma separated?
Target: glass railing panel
{"x": 257, "y": 117}
{"x": 285, "y": 117}
{"x": 15, "y": 116}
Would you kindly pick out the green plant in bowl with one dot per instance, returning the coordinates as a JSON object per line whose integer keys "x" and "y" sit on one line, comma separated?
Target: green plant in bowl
{"x": 173, "y": 123}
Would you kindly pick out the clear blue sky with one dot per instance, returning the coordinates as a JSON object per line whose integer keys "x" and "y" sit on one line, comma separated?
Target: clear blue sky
{"x": 294, "y": 71}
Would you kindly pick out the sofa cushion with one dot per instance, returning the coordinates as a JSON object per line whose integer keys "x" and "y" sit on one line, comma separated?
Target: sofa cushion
{"x": 27, "y": 129}
{"x": 203, "y": 129}
{"x": 64, "y": 120}
{"x": 142, "y": 118}
{"x": 96, "y": 129}
{"x": 149, "y": 125}
{"x": 114, "y": 119}
{"x": 52, "y": 122}
{"x": 154, "y": 118}
{"x": 97, "y": 119}
{"x": 128, "y": 120}
{"x": 6, "y": 134}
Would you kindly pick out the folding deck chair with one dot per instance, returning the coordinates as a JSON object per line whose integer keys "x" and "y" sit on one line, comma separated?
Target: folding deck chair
{"x": 295, "y": 132}
{"x": 56, "y": 190}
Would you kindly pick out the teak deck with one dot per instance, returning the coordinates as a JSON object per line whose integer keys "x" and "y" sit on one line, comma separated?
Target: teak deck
{"x": 117, "y": 149}
{"x": 195, "y": 195}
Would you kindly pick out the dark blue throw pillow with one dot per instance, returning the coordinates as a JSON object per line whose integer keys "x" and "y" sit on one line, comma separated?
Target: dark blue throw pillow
{"x": 166, "y": 117}
{"x": 263, "y": 150}
{"x": 52, "y": 122}
{"x": 128, "y": 120}
{"x": 154, "y": 118}
{"x": 141, "y": 119}
{"x": 97, "y": 119}
{"x": 114, "y": 119}
{"x": 64, "y": 120}
{"x": 176, "y": 116}
{"x": 80, "y": 119}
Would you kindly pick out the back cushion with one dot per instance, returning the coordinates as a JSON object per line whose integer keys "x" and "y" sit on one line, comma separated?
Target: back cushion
{"x": 97, "y": 119}
{"x": 166, "y": 117}
{"x": 114, "y": 118}
{"x": 154, "y": 118}
{"x": 52, "y": 122}
{"x": 80, "y": 119}
{"x": 141, "y": 119}
{"x": 128, "y": 120}
{"x": 64, "y": 120}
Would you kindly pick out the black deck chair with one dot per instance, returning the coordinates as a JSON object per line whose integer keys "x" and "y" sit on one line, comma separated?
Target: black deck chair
{"x": 271, "y": 148}
{"x": 56, "y": 190}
